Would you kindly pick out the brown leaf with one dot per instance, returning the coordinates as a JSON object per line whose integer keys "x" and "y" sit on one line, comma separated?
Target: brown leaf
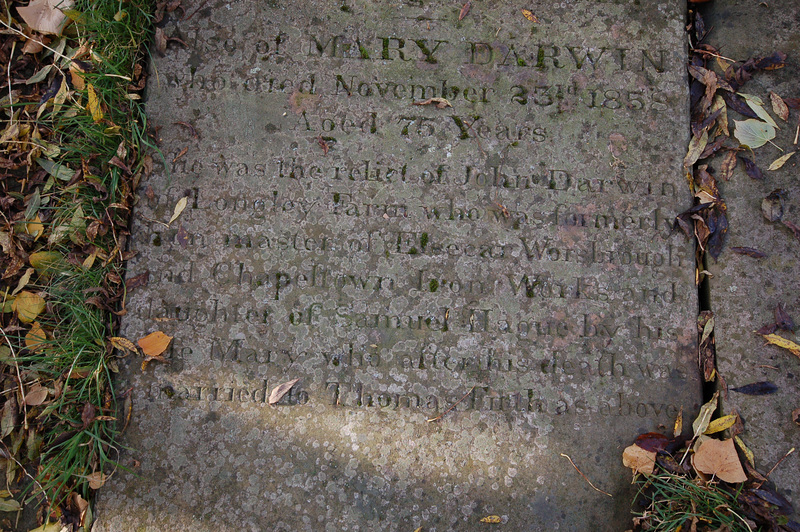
{"x": 139, "y": 280}
{"x": 638, "y": 459}
{"x": 36, "y": 337}
{"x": 794, "y": 228}
{"x": 796, "y": 416}
{"x": 728, "y": 165}
{"x": 772, "y": 205}
{"x": 464, "y": 11}
{"x": 779, "y": 106}
{"x": 719, "y": 458}
{"x": 160, "y": 40}
{"x": 154, "y": 344}
{"x": 441, "y": 103}
{"x": 782, "y": 318}
{"x": 279, "y": 391}
{"x": 750, "y": 252}
{"x": 96, "y": 480}
{"x": 45, "y": 16}
{"x": 88, "y": 414}
{"x": 36, "y": 396}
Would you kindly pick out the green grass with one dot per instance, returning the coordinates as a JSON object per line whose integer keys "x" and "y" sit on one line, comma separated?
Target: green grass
{"x": 73, "y": 434}
{"x": 674, "y": 501}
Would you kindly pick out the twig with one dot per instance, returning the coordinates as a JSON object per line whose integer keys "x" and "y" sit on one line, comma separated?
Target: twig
{"x": 440, "y": 416}
{"x": 19, "y": 377}
{"x": 779, "y": 462}
{"x": 584, "y": 476}
{"x": 10, "y": 92}
{"x": 59, "y": 54}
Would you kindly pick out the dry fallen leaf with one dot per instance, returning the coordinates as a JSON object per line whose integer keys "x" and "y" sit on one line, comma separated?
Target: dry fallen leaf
{"x": 94, "y": 104}
{"x": 464, "y": 11}
{"x": 280, "y": 390}
{"x": 36, "y": 396}
{"x": 678, "y": 428}
{"x": 123, "y": 344}
{"x": 154, "y": 343}
{"x": 45, "y": 16}
{"x": 774, "y": 339}
{"x": 780, "y": 161}
{"x": 493, "y": 519}
{"x": 28, "y": 306}
{"x": 779, "y": 107}
{"x": 719, "y": 458}
{"x": 638, "y": 459}
{"x": 96, "y": 480}
{"x": 441, "y": 103}
{"x": 36, "y": 337}
{"x": 718, "y": 425}
{"x": 23, "y": 281}
{"x": 528, "y": 14}
{"x": 178, "y": 209}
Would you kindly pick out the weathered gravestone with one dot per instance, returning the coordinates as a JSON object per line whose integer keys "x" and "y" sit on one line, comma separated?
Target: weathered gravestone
{"x": 744, "y": 290}
{"x": 465, "y": 293}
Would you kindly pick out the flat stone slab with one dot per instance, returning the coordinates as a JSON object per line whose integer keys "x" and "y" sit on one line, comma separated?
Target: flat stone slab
{"x": 467, "y": 293}
{"x": 744, "y": 290}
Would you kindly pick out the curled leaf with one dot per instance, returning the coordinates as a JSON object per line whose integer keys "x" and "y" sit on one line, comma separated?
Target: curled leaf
{"x": 774, "y": 339}
{"x": 279, "y": 391}
{"x": 441, "y": 103}
{"x": 700, "y": 424}
{"x": 492, "y": 519}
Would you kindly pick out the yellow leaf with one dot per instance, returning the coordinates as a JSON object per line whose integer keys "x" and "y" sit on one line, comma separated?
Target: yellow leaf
{"x": 678, "y": 429}
{"x": 94, "y": 104}
{"x": 718, "y": 425}
{"x": 35, "y": 337}
{"x": 746, "y": 450}
{"x": 780, "y": 161}
{"x": 528, "y": 14}
{"x": 35, "y": 228}
{"x": 178, "y": 209}
{"x": 154, "y": 343}
{"x": 28, "y": 305}
{"x": 492, "y": 519}
{"x": 123, "y": 344}
{"x": 774, "y": 339}
{"x": 76, "y": 73}
{"x": 44, "y": 261}
{"x": 23, "y": 281}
